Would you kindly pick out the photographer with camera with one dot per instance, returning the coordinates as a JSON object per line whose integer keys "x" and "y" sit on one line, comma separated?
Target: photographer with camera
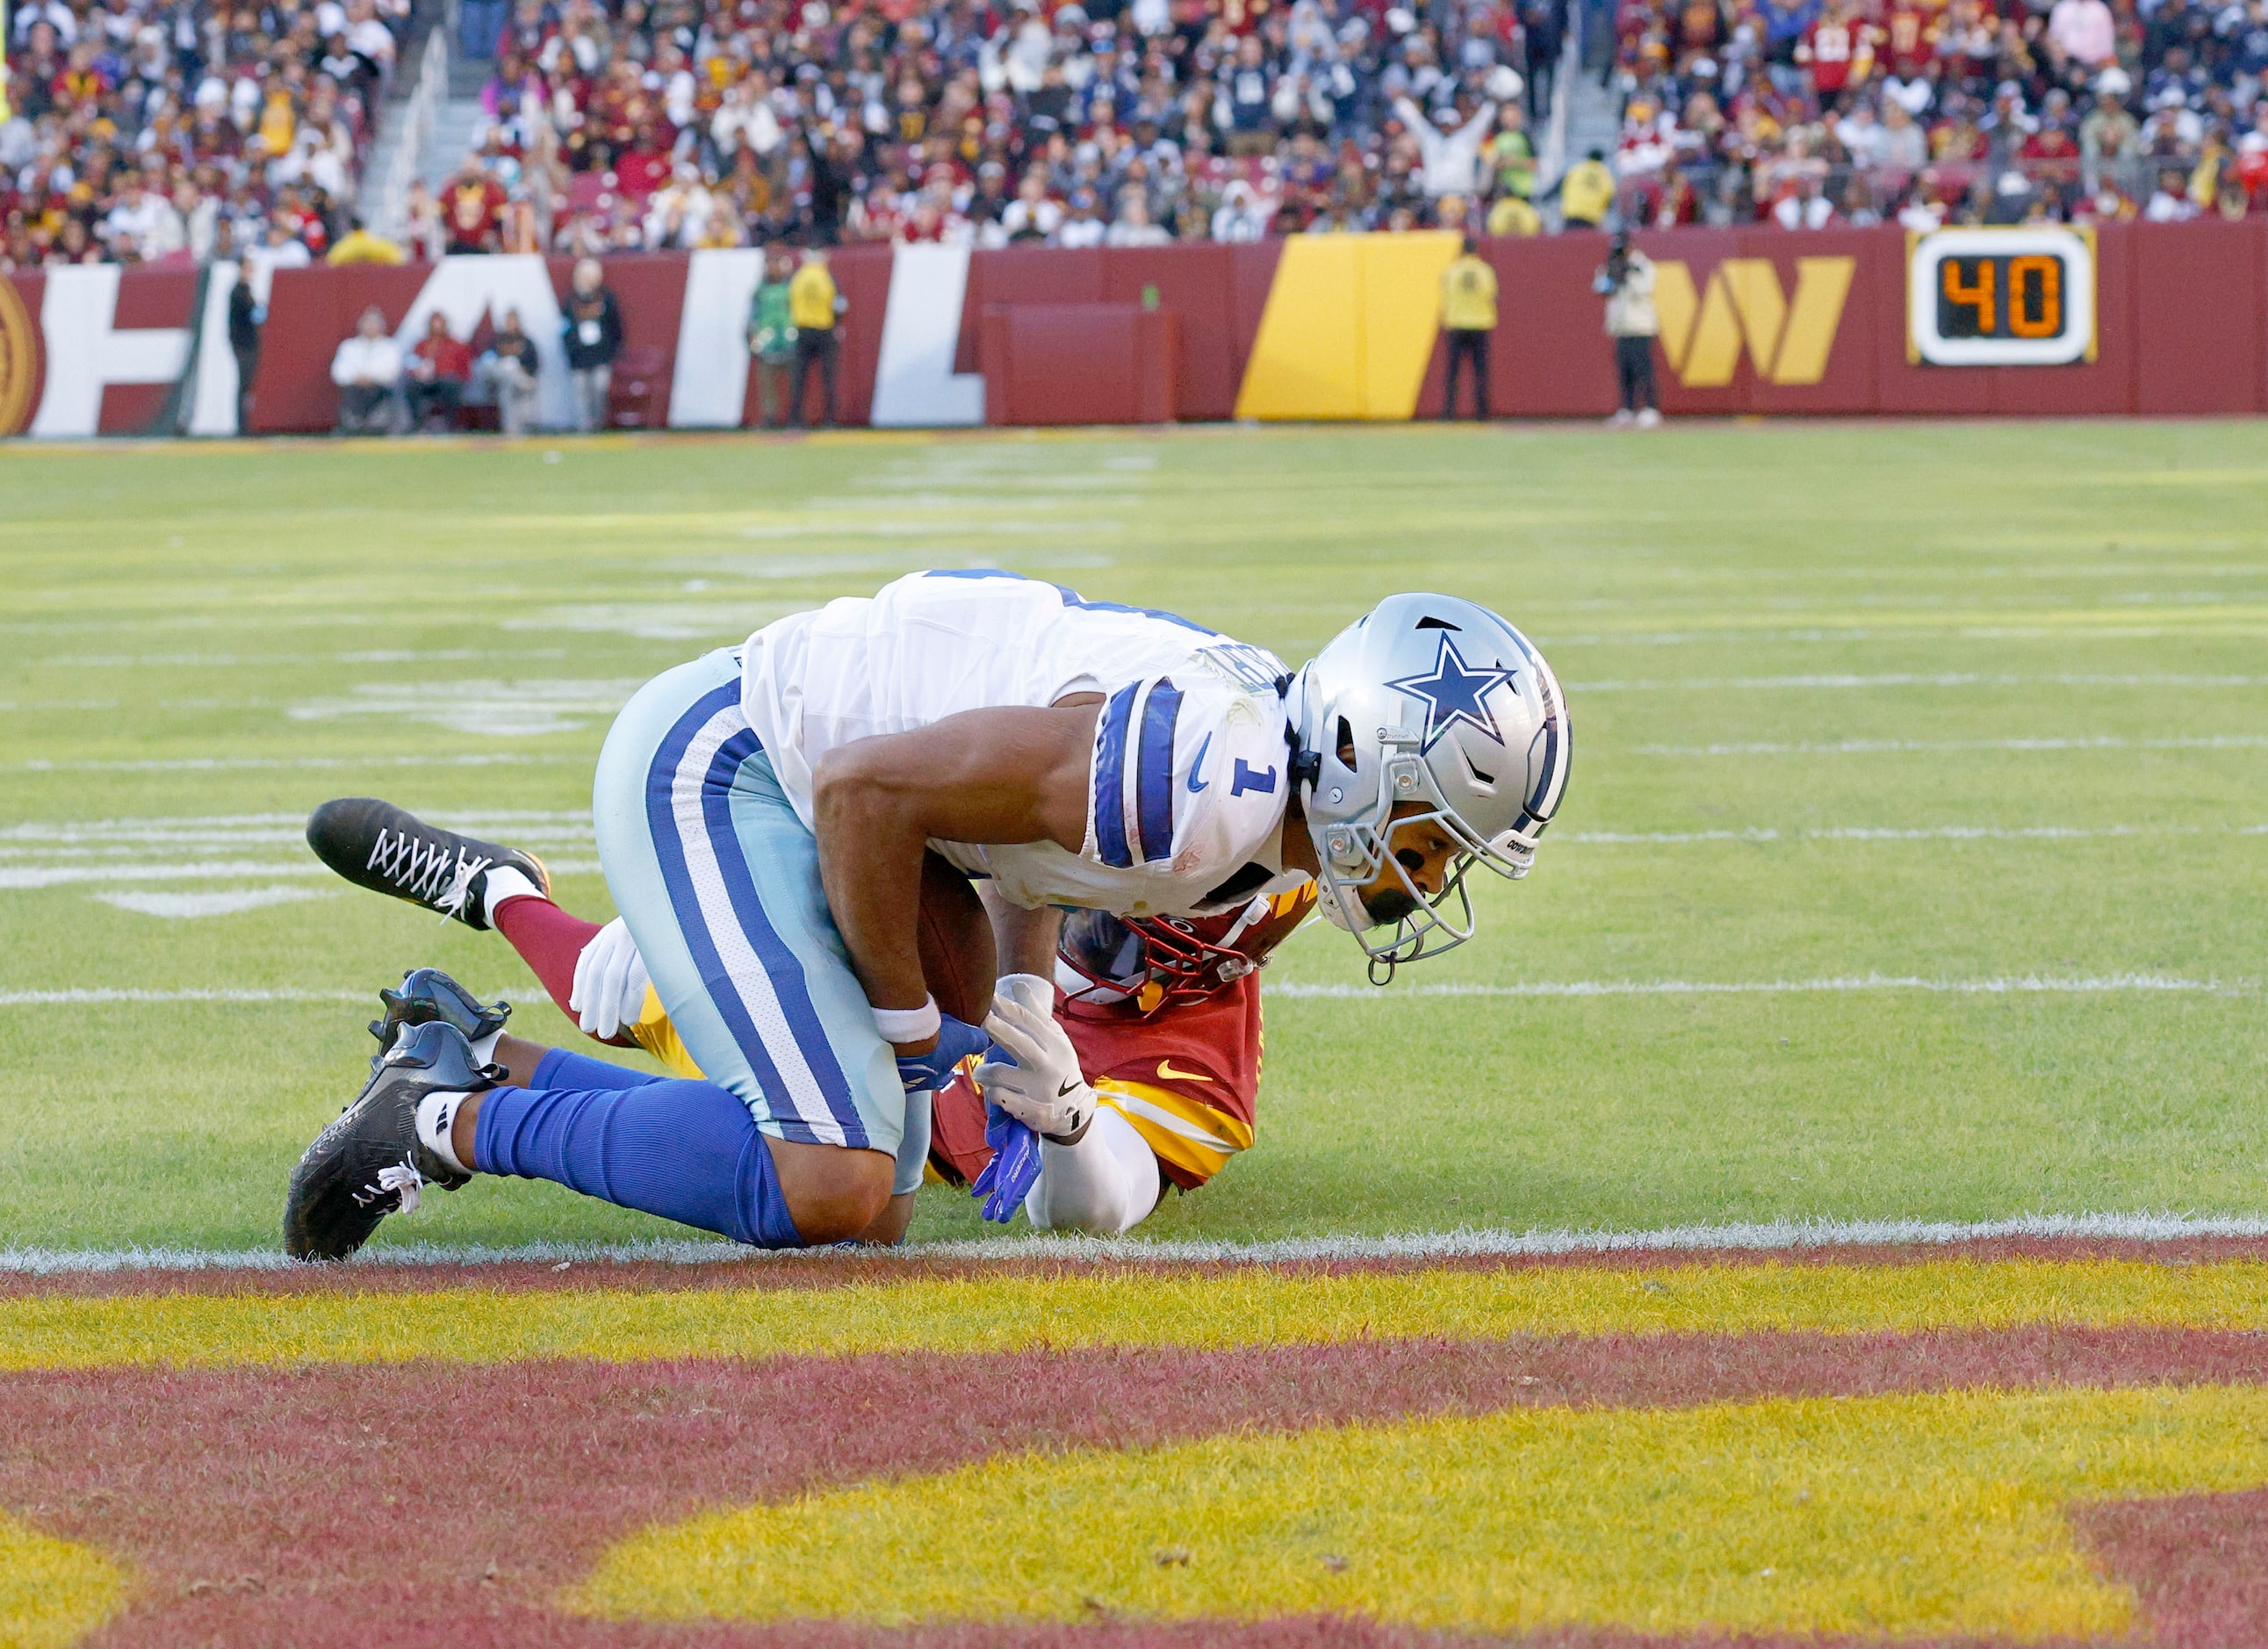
{"x": 1626, "y": 282}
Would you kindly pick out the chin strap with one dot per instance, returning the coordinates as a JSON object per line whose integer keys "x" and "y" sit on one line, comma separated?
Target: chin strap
{"x": 1307, "y": 766}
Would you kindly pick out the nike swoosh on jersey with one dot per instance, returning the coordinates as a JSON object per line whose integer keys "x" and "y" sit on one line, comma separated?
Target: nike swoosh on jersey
{"x": 1197, "y": 768}
{"x": 1166, "y": 1073}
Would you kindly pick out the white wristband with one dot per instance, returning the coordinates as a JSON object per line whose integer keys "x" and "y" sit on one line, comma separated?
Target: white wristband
{"x": 909, "y": 1025}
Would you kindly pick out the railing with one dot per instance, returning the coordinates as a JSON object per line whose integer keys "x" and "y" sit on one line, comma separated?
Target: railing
{"x": 390, "y": 211}
{"x": 1728, "y": 193}
{"x": 1551, "y": 163}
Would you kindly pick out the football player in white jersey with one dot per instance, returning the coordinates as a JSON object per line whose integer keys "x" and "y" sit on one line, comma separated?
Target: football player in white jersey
{"x": 763, "y": 817}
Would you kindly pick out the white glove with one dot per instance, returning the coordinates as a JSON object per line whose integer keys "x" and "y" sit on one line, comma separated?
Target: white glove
{"x": 610, "y": 983}
{"x": 1044, "y": 1090}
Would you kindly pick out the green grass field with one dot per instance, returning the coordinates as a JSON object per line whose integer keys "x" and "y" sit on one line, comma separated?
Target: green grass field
{"x": 1974, "y": 707}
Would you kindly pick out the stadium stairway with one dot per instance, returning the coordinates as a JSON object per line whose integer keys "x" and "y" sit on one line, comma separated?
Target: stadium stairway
{"x": 1595, "y": 118}
{"x": 457, "y": 128}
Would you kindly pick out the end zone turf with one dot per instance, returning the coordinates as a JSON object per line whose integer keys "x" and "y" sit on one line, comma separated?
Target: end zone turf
{"x": 1997, "y": 1442}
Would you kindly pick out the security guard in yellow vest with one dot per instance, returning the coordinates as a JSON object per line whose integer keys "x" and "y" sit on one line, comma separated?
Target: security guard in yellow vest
{"x": 814, "y": 307}
{"x": 1587, "y": 192}
{"x": 1468, "y": 319}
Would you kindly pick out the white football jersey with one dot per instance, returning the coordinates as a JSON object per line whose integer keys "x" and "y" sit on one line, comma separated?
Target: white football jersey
{"x": 1190, "y": 774}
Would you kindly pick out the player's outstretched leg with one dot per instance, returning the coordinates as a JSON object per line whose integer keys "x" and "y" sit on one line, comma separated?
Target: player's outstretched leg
{"x": 375, "y": 1158}
{"x": 389, "y": 850}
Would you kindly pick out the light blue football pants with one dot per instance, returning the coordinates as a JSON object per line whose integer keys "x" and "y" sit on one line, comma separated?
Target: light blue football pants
{"x": 719, "y": 882}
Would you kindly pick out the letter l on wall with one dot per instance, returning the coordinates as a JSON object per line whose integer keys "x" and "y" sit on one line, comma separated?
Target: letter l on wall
{"x": 915, "y": 385}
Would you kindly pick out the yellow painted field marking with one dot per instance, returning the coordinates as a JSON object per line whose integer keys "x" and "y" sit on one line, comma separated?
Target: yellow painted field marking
{"x": 52, "y": 1592}
{"x": 1921, "y": 1514}
{"x": 1134, "y": 1306}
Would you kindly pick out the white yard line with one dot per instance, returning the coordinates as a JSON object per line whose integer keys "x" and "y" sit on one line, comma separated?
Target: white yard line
{"x": 18, "y": 878}
{"x": 1872, "y": 747}
{"x": 2023, "y": 985}
{"x": 1814, "y": 683}
{"x": 105, "y": 995}
{"x": 173, "y": 829}
{"x": 230, "y": 764}
{"x": 1773, "y": 1237}
{"x": 2222, "y": 626}
{"x": 1867, "y": 833}
{"x": 101, "y": 995}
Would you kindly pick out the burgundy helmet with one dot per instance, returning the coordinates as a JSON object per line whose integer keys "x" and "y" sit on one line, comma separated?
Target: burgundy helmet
{"x": 1156, "y": 961}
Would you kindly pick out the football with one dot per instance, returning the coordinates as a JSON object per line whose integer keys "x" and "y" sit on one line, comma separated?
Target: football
{"x": 957, "y": 956}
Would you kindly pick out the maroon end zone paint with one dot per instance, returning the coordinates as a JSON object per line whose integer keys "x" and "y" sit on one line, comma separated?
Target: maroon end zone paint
{"x": 343, "y": 1505}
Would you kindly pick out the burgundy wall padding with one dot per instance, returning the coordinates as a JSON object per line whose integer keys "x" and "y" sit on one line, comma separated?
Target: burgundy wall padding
{"x": 1549, "y": 356}
{"x": 1023, "y": 275}
{"x": 862, "y": 274}
{"x": 2182, "y": 328}
{"x": 1850, "y": 380}
{"x": 1254, "y": 264}
{"x": 160, "y": 297}
{"x": 2198, "y": 291}
{"x": 1217, "y": 292}
{"x": 1198, "y": 284}
{"x": 308, "y": 311}
{"x": 1048, "y": 364}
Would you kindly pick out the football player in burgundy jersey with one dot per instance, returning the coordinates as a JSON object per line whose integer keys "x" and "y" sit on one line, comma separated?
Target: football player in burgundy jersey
{"x": 1164, "y": 1014}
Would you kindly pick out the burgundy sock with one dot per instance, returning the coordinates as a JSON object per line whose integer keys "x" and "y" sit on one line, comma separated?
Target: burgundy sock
{"x": 549, "y": 940}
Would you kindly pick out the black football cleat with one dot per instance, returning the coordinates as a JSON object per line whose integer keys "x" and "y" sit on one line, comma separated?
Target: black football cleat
{"x": 427, "y": 995}
{"x": 370, "y": 1163}
{"x": 388, "y": 849}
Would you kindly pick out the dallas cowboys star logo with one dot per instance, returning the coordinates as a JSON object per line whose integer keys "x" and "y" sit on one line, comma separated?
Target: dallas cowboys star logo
{"x": 1453, "y": 694}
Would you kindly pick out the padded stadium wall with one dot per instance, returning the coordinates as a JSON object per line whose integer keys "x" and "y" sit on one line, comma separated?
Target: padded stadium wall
{"x": 1754, "y": 321}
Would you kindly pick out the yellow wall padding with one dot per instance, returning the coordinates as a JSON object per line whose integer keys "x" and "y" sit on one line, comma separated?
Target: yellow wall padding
{"x": 1348, "y": 328}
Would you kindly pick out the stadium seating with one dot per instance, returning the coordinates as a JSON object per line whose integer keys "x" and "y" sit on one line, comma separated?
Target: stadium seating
{"x": 699, "y": 123}
{"x": 137, "y": 132}
{"x": 1806, "y": 113}
{"x": 142, "y": 134}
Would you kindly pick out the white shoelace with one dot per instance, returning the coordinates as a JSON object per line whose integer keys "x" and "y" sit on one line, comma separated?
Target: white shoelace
{"x": 429, "y": 871}
{"x": 400, "y": 1176}
{"x": 459, "y": 892}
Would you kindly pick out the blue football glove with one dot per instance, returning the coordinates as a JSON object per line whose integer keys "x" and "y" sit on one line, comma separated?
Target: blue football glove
{"x": 1008, "y": 1179}
{"x": 931, "y": 1070}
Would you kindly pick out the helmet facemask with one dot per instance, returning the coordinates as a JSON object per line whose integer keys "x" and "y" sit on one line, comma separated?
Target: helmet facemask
{"x": 1434, "y": 706}
{"x": 1352, "y": 853}
{"x": 1153, "y": 962}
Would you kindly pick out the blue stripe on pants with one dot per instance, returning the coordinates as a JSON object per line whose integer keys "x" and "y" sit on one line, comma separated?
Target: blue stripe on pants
{"x": 779, "y": 962}
{"x": 717, "y": 877}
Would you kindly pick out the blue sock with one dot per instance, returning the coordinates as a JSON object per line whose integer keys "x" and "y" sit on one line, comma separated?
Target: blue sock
{"x": 560, "y": 1069}
{"x": 687, "y": 1151}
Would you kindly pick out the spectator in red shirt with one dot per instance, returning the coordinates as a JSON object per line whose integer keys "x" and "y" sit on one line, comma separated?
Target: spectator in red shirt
{"x": 439, "y": 368}
{"x": 471, "y": 206}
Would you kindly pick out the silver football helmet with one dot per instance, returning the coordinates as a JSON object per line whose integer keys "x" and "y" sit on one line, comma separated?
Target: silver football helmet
{"x": 1434, "y": 701}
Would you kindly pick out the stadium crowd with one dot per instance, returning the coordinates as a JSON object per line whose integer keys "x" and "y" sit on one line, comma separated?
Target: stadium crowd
{"x": 140, "y": 131}
{"x": 147, "y": 129}
{"x": 1806, "y": 113}
{"x": 721, "y": 123}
